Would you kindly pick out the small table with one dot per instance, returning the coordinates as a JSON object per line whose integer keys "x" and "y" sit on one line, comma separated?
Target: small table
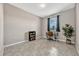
{"x": 68, "y": 41}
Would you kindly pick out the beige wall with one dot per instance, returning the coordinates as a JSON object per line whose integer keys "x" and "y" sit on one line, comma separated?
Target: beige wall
{"x": 77, "y": 27}
{"x": 17, "y": 22}
{"x": 1, "y": 29}
{"x": 66, "y": 17}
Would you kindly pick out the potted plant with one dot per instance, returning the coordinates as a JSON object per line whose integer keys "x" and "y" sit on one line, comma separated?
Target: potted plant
{"x": 68, "y": 32}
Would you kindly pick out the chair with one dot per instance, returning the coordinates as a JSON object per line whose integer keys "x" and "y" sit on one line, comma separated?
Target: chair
{"x": 49, "y": 35}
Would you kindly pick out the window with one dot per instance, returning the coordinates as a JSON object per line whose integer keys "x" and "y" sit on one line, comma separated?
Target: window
{"x": 53, "y": 24}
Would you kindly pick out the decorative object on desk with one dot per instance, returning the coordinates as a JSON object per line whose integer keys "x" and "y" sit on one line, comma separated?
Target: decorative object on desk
{"x": 32, "y": 35}
{"x": 49, "y": 35}
{"x": 68, "y": 32}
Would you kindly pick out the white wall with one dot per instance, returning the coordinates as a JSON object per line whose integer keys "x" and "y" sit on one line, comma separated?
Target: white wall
{"x": 66, "y": 17}
{"x": 77, "y": 27}
{"x": 17, "y": 22}
{"x": 1, "y": 29}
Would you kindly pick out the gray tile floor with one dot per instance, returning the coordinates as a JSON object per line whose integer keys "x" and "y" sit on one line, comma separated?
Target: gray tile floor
{"x": 41, "y": 47}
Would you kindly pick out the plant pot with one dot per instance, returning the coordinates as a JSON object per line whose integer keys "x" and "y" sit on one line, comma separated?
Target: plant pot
{"x": 68, "y": 41}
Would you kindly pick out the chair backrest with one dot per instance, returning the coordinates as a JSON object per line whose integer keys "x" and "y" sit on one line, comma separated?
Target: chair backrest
{"x": 49, "y": 33}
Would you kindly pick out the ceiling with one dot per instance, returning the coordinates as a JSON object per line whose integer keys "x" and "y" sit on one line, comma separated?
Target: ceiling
{"x": 49, "y": 9}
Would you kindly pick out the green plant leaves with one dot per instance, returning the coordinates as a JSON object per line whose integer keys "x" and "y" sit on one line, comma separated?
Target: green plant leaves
{"x": 68, "y": 30}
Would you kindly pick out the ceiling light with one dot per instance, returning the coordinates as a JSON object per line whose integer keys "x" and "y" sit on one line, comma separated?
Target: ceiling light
{"x": 42, "y": 5}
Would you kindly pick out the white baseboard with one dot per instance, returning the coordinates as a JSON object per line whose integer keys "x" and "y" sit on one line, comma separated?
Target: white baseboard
{"x": 61, "y": 40}
{"x": 77, "y": 49}
{"x": 13, "y": 44}
{"x": 25, "y": 41}
{"x": 19, "y": 42}
{"x": 39, "y": 37}
{"x": 65, "y": 41}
